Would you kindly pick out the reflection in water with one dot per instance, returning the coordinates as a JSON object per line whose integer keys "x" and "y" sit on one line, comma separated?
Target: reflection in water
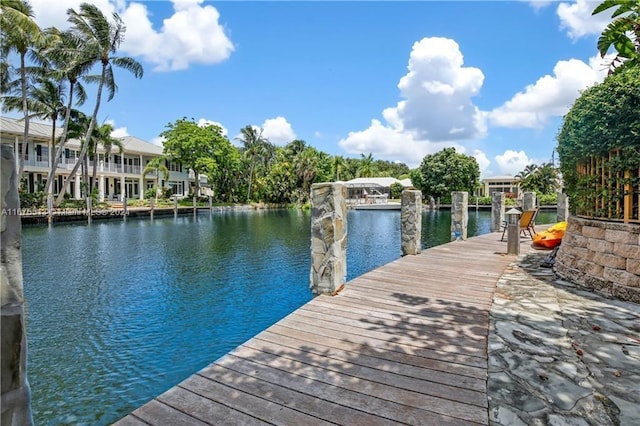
{"x": 119, "y": 312}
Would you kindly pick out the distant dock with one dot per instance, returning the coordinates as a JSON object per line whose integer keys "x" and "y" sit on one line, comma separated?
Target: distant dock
{"x": 404, "y": 343}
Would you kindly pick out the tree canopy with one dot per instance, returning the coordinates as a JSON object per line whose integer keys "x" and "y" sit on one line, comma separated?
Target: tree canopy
{"x": 603, "y": 127}
{"x": 622, "y": 33}
{"x": 194, "y": 146}
{"x": 446, "y": 171}
{"x": 543, "y": 179}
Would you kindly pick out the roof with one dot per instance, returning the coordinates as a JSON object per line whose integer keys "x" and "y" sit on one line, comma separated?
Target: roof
{"x": 136, "y": 145}
{"x": 371, "y": 181}
{"x": 497, "y": 178}
{"x": 38, "y": 130}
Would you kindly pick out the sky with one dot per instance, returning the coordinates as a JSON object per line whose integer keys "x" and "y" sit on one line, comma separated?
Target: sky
{"x": 399, "y": 80}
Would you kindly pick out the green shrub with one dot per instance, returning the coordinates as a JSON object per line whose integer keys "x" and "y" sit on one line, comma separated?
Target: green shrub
{"x": 548, "y": 199}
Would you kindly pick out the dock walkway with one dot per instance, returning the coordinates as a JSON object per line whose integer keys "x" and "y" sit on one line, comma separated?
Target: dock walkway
{"x": 404, "y": 343}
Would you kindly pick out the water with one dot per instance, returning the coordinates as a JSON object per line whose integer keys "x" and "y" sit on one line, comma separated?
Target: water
{"x": 120, "y": 312}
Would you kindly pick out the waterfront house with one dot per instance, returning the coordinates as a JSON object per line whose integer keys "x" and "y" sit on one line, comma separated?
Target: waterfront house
{"x": 373, "y": 186}
{"x": 118, "y": 173}
{"x": 507, "y": 184}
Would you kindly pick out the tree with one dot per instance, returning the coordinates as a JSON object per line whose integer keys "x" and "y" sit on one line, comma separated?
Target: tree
{"x": 157, "y": 166}
{"x": 541, "y": 179}
{"x": 67, "y": 59}
{"x": 306, "y": 168}
{"x": 623, "y": 33}
{"x": 20, "y": 34}
{"x": 193, "y": 146}
{"x": 100, "y": 41}
{"x": 257, "y": 151}
{"x": 603, "y": 124}
{"x": 366, "y": 167}
{"x": 446, "y": 171}
{"x": 102, "y": 136}
{"x": 338, "y": 164}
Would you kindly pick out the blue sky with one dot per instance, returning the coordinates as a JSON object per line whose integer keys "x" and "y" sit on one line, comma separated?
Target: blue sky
{"x": 396, "y": 79}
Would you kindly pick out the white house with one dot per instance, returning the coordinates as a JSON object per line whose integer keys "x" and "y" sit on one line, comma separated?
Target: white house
{"x": 118, "y": 173}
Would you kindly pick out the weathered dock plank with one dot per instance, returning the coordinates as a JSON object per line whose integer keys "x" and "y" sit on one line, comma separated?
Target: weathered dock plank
{"x": 405, "y": 343}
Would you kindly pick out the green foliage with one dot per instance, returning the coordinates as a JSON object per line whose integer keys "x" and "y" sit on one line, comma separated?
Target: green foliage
{"x": 623, "y": 33}
{"x": 482, "y": 201}
{"x": 606, "y": 117}
{"x": 195, "y": 147}
{"x": 548, "y": 199}
{"x": 32, "y": 200}
{"x": 542, "y": 179}
{"x": 396, "y": 190}
{"x": 446, "y": 171}
{"x": 150, "y": 193}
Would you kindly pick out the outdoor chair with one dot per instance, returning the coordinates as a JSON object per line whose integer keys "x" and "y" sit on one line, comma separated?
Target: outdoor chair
{"x": 527, "y": 224}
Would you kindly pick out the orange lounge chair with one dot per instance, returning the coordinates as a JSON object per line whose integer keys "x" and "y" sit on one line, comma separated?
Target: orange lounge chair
{"x": 527, "y": 224}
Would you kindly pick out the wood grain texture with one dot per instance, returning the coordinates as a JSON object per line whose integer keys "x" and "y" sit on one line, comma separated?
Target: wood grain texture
{"x": 405, "y": 343}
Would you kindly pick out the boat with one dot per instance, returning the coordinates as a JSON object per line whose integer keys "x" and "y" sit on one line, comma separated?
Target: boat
{"x": 550, "y": 238}
{"x": 376, "y": 201}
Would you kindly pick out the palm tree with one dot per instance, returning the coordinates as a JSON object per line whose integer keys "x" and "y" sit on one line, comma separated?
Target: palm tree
{"x": 64, "y": 54}
{"x": 366, "y": 167}
{"x": 101, "y": 40}
{"x": 45, "y": 101}
{"x": 102, "y": 136}
{"x": 338, "y": 164}
{"x": 623, "y": 33}
{"x": 21, "y": 37}
{"x": 252, "y": 142}
{"x": 306, "y": 168}
{"x": 157, "y": 166}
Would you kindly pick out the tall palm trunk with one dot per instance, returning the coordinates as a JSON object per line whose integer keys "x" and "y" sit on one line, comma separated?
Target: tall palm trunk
{"x": 63, "y": 140}
{"x": 94, "y": 172}
{"x": 25, "y": 106}
{"x": 85, "y": 147}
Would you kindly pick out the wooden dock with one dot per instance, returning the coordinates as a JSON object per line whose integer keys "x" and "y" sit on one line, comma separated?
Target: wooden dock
{"x": 403, "y": 344}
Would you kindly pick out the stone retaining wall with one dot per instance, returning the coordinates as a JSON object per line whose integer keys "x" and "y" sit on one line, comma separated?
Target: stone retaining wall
{"x": 601, "y": 256}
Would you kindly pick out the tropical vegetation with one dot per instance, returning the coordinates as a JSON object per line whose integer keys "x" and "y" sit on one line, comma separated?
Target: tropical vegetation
{"x": 446, "y": 171}
{"x": 622, "y": 34}
{"x": 600, "y": 150}
{"x": 542, "y": 179}
{"x": 43, "y": 74}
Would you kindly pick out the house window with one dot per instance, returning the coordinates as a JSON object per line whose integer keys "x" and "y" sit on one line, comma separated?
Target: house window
{"x": 26, "y": 157}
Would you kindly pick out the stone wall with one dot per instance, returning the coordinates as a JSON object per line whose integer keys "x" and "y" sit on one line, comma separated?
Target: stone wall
{"x": 411, "y": 222}
{"x": 15, "y": 397}
{"x": 328, "y": 237}
{"x": 601, "y": 256}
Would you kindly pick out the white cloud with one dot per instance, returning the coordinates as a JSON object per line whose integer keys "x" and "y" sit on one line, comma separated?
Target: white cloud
{"x": 278, "y": 130}
{"x": 120, "y": 132}
{"x": 203, "y": 122}
{"x": 436, "y": 110}
{"x": 551, "y": 95}
{"x": 512, "y": 162}
{"x": 539, "y": 4}
{"x": 577, "y": 20}
{"x": 483, "y": 161}
{"x": 158, "y": 140}
{"x": 438, "y": 91}
{"x": 192, "y": 35}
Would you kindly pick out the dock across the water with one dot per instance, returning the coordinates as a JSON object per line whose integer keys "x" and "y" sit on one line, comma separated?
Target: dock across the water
{"x": 404, "y": 343}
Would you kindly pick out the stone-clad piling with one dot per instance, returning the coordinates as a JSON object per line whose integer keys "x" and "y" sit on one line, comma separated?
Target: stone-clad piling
{"x": 497, "y": 211}
{"x": 529, "y": 201}
{"x": 563, "y": 207}
{"x": 459, "y": 215}
{"x": 328, "y": 237}
{"x": 13, "y": 356}
{"x": 411, "y": 222}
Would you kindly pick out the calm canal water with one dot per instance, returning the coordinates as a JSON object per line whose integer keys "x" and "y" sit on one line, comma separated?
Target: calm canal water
{"x": 120, "y": 312}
